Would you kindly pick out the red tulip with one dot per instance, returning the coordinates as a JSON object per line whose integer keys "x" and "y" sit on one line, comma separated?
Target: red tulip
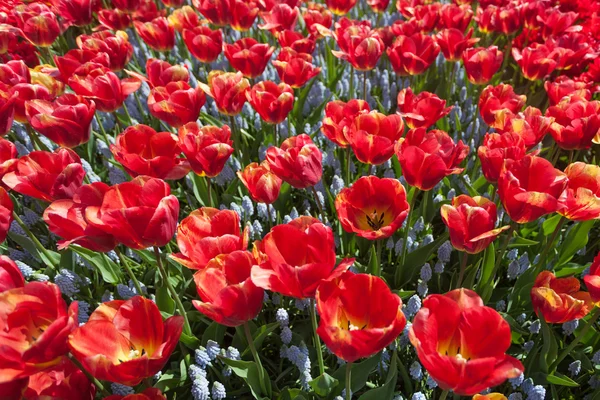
{"x": 143, "y": 151}
{"x": 294, "y": 68}
{"x": 454, "y": 43}
{"x": 412, "y": 55}
{"x": 49, "y": 77}
{"x": 572, "y": 51}
{"x": 496, "y": 149}
{"x": 422, "y": 110}
{"x": 6, "y": 213}
{"x": 554, "y": 22}
{"x": 427, "y": 157}
{"x": 316, "y": 16}
{"x": 24, "y": 92}
{"x": 161, "y": 73}
{"x": 66, "y": 121}
{"x": 294, "y": 258}
{"x": 116, "y": 45}
{"x": 359, "y": 44}
{"x": 158, "y": 34}
{"x": 62, "y": 381}
{"x": 77, "y": 12}
{"x": 494, "y": 99}
{"x": 463, "y": 343}
{"x": 8, "y": 157}
{"x": 217, "y": 12}
{"x": 140, "y": 213}
{"x": 340, "y": 7}
{"x": 564, "y": 86}
{"x": 248, "y": 56}
{"x": 38, "y": 23}
{"x": 339, "y": 116}
{"x": 115, "y": 19}
{"x": 536, "y": 61}
{"x": 207, "y": 233}
{"x": 482, "y": 63}
{"x": 373, "y": 208}
{"x": 228, "y": 89}
{"x": 7, "y": 110}
{"x": 426, "y": 16}
{"x": 271, "y": 101}
{"x": 582, "y": 196}
{"x": 378, "y": 5}
{"x": 559, "y": 300}
{"x": 592, "y": 280}
{"x": 46, "y": 176}
{"x": 262, "y": 184}
{"x": 14, "y": 72}
{"x": 128, "y": 6}
{"x": 67, "y": 218}
{"x": 373, "y": 136}
{"x": 14, "y": 389}
{"x": 297, "y": 161}
{"x": 176, "y": 104}
{"x": 280, "y": 18}
{"x": 456, "y": 16}
{"x": 296, "y": 41}
{"x": 353, "y": 328}
{"x": 75, "y": 58}
{"x": 530, "y": 125}
{"x": 228, "y": 294}
{"x": 35, "y": 325}
{"x": 148, "y": 394}
{"x": 204, "y": 43}
{"x": 10, "y": 275}
{"x": 243, "y": 14}
{"x": 530, "y": 188}
{"x": 485, "y": 18}
{"x": 126, "y": 341}
{"x": 147, "y": 11}
{"x": 183, "y": 18}
{"x": 576, "y": 123}
{"x": 206, "y": 148}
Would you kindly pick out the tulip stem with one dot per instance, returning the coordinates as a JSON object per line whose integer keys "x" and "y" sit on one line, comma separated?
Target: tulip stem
{"x": 444, "y": 395}
{"x": 348, "y": 166}
{"x": 404, "y": 246}
{"x": 165, "y": 277}
{"x": 377, "y": 268}
{"x": 38, "y": 245}
{"x": 317, "y": 340}
{"x": 314, "y": 191}
{"x": 209, "y": 186}
{"x": 96, "y": 382}
{"x": 577, "y": 339}
{"x": 270, "y": 219}
{"x": 544, "y": 254}
{"x": 250, "y": 341}
{"x": 365, "y": 86}
{"x": 348, "y": 381}
{"x": 351, "y": 88}
{"x": 127, "y": 268}
{"x": 463, "y": 267}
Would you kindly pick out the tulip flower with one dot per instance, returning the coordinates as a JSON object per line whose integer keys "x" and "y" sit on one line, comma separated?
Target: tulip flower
{"x": 77, "y": 12}
{"x": 294, "y": 68}
{"x": 6, "y": 213}
{"x": 126, "y": 341}
{"x": 482, "y": 63}
{"x": 228, "y": 89}
{"x": 582, "y": 195}
{"x": 35, "y": 325}
{"x": 128, "y": 6}
{"x": 485, "y": 18}
{"x": 280, "y": 18}
{"x": 148, "y": 394}
{"x": 554, "y": 21}
{"x": 559, "y": 300}
{"x": 498, "y": 98}
{"x": 454, "y": 16}
{"x": 271, "y": 101}
{"x": 490, "y": 396}
{"x": 571, "y": 51}
{"x": 536, "y": 61}
{"x": 412, "y": 55}
{"x": 530, "y": 125}
{"x": 46, "y": 176}
{"x": 339, "y": 116}
{"x": 294, "y": 258}
{"x": 462, "y": 343}
{"x": 38, "y": 23}
{"x": 315, "y": 16}
{"x": 426, "y": 16}
{"x": 576, "y": 123}
{"x": 10, "y": 275}
{"x": 66, "y": 121}
{"x": 471, "y": 222}
{"x": 373, "y": 208}
{"x": 14, "y": 72}
{"x": 296, "y": 41}
{"x": 7, "y": 110}
{"x": 422, "y": 110}
{"x": 297, "y": 161}
{"x": 359, "y": 44}
{"x": 115, "y": 19}
{"x": 378, "y": 6}
{"x": 14, "y": 389}
{"x": 340, "y": 7}
{"x": 116, "y": 45}
{"x": 158, "y": 34}
{"x": 592, "y": 280}
{"x": 453, "y": 43}
{"x": 353, "y": 328}
{"x": 67, "y": 218}
{"x": 143, "y": 151}
{"x": 206, "y": 148}
{"x": 147, "y": 11}
{"x": 63, "y": 380}
{"x": 75, "y": 58}
{"x": 427, "y": 157}
{"x": 176, "y": 104}
{"x": 183, "y": 18}
{"x": 563, "y": 86}
{"x": 161, "y": 73}
{"x": 207, "y": 233}
{"x": 25, "y": 92}
{"x": 243, "y": 14}
{"x": 8, "y": 157}
{"x": 496, "y": 149}
{"x": 204, "y": 43}
{"x": 373, "y": 136}
{"x": 229, "y": 297}
{"x": 262, "y": 184}
{"x": 530, "y": 188}
{"x": 217, "y": 12}
{"x": 248, "y": 56}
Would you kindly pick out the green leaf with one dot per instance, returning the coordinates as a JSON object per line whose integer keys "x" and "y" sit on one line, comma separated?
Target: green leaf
{"x": 260, "y": 334}
{"x": 292, "y": 394}
{"x": 28, "y": 245}
{"x": 486, "y": 279}
{"x": 549, "y": 225}
{"x": 248, "y": 371}
{"x": 164, "y": 301}
{"x": 359, "y": 374}
{"x": 190, "y": 342}
{"x": 386, "y": 391}
{"x": 373, "y": 263}
{"x": 561, "y": 380}
{"x": 323, "y": 384}
{"x": 576, "y": 239}
{"x": 110, "y": 271}
{"x": 415, "y": 259}
{"x": 550, "y": 347}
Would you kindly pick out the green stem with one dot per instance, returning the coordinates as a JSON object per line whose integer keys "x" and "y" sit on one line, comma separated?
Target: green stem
{"x": 348, "y": 166}
{"x": 261, "y": 376}
{"x": 365, "y": 86}
{"x": 544, "y": 254}
{"x": 96, "y": 382}
{"x": 38, "y": 245}
{"x": 351, "y": 89}
{"x": 125, "y": 265}
{"x": 463, "y": 267}
{"x": 405, "y": 238}
{"x": 165, "y": 277}
{"x": 270, "y": 219}
{"x": 577, "y": 339}
{"x": 314, "y": 192}
{"x": 377, "y": 268}
{"x": 209, "y": 186}
{"x": 348, "y": 381}
{"x": 317, "y": 340}
{"x": 503, "y": 250}
{"x": 444, "y": 395}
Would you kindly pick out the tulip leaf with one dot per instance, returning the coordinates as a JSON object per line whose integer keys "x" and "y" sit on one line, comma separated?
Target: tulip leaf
{"x": 28, "y": 245}
{"x": 110, "y": 271}
{"x": 292, "y": 394}
{"x": 386, "y": 391}
{"x": 550, "y": 347}
{"x": 260, "y": 334}
{"x": 323, "y": 384}
{"x": 164, "y": 301}
{"x": 561, "y": 380}
{"x": 486, "y": 278}
{"x": 416, "y": 259}
{"x": 248, "y": 371}
{"x": 576, "y": 239}
{"x": 359, "y": 374}
{"x": 549, "y": 225}
{"x": 190, "y": 342}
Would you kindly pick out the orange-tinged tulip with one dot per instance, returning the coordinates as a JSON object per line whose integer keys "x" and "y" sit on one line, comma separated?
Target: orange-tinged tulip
{"x": 10, "y": 275}
{"x": 471, "y": 222}
{"x": 143, "y": 151}
{"x": 158, "y": 34}
{"x": 176, "y": 104}
{"x": 280, "y": 18}
{"x": 373, "y": 208}
{"x": 582, "y": 196}
{"x": 499, "y": 98}
{"x": 412, "y": 55}
{"x": 46, "y": 176}
{"x": 355, "y": 327}
{"x": 294, "y": 258}
{"x": 295, "y": 68}
{"x": 427, "y": 157}
{"x": 490, "y": 396}
{"x": 62, "y": 381}
{"x": 116, "y": 45}
{"x": 339, "y": 116}
{"x": 38, "y": 23}
{"x": 66, "y": 121}
{"x": 340, "y": 7}
{"x": 183, "y": 18}
{"x": 482, "y": 63}
{"x": 148, "y": 394}
{"x": 454, "y": 42}
{"x": 373, "y": 136}
{"x": 271, "y": 101}
{"x": 496, "y": 149}
{"x": 6, "y": 213}
{"x": 559, "y": 300}
{"x": 536, "y": 60}
{"x": 204, "y": 43}
{"x": 262, "y": 184}
{"x": 454, "y": 16}
{"x": 228, "y": 295}
{"x": 531, "y": 125}
{"x": 576, "y": 123}
{"x": 296, "y": 41}
{"x": 463, "y": 343}
{"x": 298, "y": 161}
{"x": 34, "y": 326}
{"x": 206, "y": 148}
{"x": 248, "y": 56}
{"x": 140, "y": 213}
{"x": 115, "y": 19}
{"x": 207, "y": 233}
{"x": 125, "y": 341}
{"x": 49, "y": 77}
{"x": 422, "y": 110}
{"x": 217, "y": 12}
{"x": 228, "y": 89}
{"x": 592, "y": 280}
{"x": 26, "y": 92}
{"x": 161, "y": 73}
{"x": 7, "y": 110}
{"x": 360, "y": 45}
{"x": 67, "y": 218}
{"x": 530, "y": 188}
